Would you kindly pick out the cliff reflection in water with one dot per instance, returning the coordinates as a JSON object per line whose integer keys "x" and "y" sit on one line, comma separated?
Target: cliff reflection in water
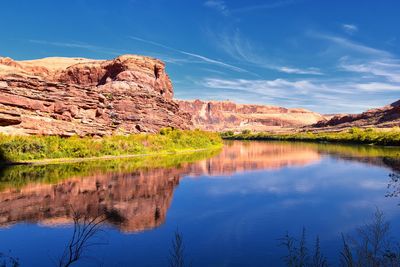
{"x": 138, "y": 192}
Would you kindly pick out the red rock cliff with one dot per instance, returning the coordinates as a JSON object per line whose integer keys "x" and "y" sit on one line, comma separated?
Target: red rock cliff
{"x": 384, "y": 117}
{"x": 67, "y": 96}
{"x": 225, "y": 115}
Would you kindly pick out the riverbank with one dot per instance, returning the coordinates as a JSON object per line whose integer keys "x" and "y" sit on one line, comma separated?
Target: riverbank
{"x": 354, "y": 135}
{"x": 52, "y": 172}
{"x": 25, "y": 149}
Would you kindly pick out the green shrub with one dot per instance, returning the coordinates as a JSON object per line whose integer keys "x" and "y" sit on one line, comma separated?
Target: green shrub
{"x": 246, "y": 131}
{"x": 353, "y": 135}
{"x": 17, "y": 148}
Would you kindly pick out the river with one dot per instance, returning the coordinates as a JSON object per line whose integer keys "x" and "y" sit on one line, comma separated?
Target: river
{"x": 231, "y": 207}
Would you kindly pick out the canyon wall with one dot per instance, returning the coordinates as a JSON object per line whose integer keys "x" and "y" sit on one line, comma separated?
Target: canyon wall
{"x": 384, "y": 117}
{"x": 226, "y": 115}
{"x": 68, "y": 96}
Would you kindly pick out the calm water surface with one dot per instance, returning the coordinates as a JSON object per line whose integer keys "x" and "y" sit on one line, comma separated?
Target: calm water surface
{"x": 231, "y": 206}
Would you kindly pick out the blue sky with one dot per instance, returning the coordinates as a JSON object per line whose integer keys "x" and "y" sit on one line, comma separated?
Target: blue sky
{"x": 327, "y": 56}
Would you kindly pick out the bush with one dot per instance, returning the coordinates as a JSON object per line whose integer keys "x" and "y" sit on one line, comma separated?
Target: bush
{"x": 17, "y": 148}
{"x": 246, "y": 132}
{"x": 353, "y": 135}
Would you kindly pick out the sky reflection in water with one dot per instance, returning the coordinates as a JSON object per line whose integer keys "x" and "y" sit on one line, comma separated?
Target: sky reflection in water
{"x": 231, "y": 207}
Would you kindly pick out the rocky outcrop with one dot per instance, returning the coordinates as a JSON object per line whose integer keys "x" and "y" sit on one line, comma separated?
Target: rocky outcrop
{"x": 68, "y": 96}
{"x": 225, "y": 116}
{"x": 387, "y": 116}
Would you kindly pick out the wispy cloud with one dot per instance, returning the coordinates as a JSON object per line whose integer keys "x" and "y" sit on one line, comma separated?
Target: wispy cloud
{"x": 314, "y": 71}
{"x": 350, "y": 28}
{"x": 318, "y": 94}
{"x": 203, "y": 59}
{"x": 263, "y": 6}
{"x": 223, "y": 8}
{"x": 378, "y": 87}
{"x": 388, "y": 69}
{"x": 212, "y": 61}
{"x": 242, "y": 49}
{"x": 76, "y": 45}
{"x": 114, "y": 52}
{"x": 218, "y": 5}
{"x": 351, "y": 45}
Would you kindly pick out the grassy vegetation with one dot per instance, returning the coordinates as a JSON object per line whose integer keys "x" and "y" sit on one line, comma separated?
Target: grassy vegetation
{"x": 371, "y": 245}
{"x": 25, "y": 148}
{"x": 18, "y": 176}
{"x": 354, "y": 135}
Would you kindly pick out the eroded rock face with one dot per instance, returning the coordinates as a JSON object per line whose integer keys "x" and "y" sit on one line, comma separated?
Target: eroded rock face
{"x": 225, "y": 115}
{"x": 67, "y": 96}
{"x": 387, "y": 116}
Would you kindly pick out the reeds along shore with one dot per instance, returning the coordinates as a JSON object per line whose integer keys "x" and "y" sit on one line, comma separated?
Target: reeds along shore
{"x": 26, "y": 148}
{"x": 354, "y": 135}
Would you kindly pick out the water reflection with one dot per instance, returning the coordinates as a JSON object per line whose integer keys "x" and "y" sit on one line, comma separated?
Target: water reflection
{"x": 139, "y": 200}
{"x": 393, "y": 185}
{"x": 249, "y": 156}
{"x": 139, "y": 192}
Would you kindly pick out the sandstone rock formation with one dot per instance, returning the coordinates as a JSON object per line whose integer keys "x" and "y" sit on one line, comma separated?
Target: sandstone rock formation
{"x": 387, "y": 116}
{"x": 67, "y": 96}
{"x": 225, "y": 116}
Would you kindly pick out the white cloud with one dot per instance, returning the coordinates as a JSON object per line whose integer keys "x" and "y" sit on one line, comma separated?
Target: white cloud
{"x": 351, "y": 45}
{"x": 377, "y": 87}
{"x": 263, "y": 6}
{"x": 222, "y": 7}
{"x": 212, "y": 61}
{"x": 218, "y": 5}
{"x": 243, "y": 50}
{"x": 203, "y": 59}
{"x": 322, "y": 95}
{"x": 385, "y": 68}
{"x": 76, "y": 45}
{"x": 350, "y": 28}
{"x": 314, "y": 71}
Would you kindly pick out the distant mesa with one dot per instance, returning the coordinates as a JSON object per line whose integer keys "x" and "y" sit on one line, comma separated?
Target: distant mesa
{"x": 384, "y": 117}
{"x": 226, "y": 115}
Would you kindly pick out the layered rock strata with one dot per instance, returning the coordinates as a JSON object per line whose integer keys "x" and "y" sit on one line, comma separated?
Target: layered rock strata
{"x": 384, "y": 117}
{"x": 68, "y": 96}
{"x": 226, "y": 116}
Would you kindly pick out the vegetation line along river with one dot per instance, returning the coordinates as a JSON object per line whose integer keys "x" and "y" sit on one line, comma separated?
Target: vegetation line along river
{"x": 43, "y": 149}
